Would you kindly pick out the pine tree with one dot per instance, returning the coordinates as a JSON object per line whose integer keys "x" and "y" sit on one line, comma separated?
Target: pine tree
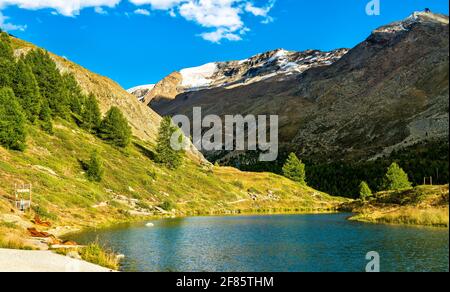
{"x": 396, "y": 178}
{"x": 165, "y": 153}
{"x": 74, "y": 93}
{"x": 50, "y": 81}
{"x": 91, "y": 116}
{"x": 12, "y": 121}
{"x": 26, "y": 90}
{"x": 7, "y": 62}
{"x": 94, "y": 168}
{"x": 45, "y": 116}
{"x": 364, "y": 191}
{"x": 115, "y": 129}
{"x": 294, "y": 169}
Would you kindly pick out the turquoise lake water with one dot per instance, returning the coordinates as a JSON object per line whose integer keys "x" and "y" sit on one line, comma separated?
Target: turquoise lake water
{"x": 291, "y": 243}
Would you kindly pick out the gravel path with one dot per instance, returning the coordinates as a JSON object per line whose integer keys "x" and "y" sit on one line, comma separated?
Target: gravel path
{"x": 43, "y": 261}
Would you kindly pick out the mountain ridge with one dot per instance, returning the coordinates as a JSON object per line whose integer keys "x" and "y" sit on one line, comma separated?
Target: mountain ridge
{"x": 387, "y": 92}
{"x": 228, "y": 74}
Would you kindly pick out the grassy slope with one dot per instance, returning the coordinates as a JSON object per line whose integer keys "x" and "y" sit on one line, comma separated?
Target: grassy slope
{"x": 422, "y": 205}
{"x": 133, "y": 186}
{"x": 52, "y": 164}
{"x": 144, "y": 121}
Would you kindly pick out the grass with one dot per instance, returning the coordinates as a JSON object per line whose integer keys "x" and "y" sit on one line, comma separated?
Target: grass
{"x": 12, "y": 238}
{"x": 422, "y": 205}
{"x": 63, "y": 195}
{"x": 96, "y": 254}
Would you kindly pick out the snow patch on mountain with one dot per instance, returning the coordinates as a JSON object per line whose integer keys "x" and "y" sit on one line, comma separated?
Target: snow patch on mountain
{"x": 141, "y": 91}
{"x": 198, "y": 77}
{"x": 141, "y": 87}
{"x": 277, "y": 63}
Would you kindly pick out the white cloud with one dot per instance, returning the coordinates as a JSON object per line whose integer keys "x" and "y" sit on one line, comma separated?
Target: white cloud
{"x": 223, "y": 18}
{"x": 100, "y": 10}
{"x": 8, "y": 26}
{"x": 141, "y": 11}
{"x": 158, "y": 4}
{"x": 220, "y": 34}
{"x": 259, "y": 11}
{"x": 63, "y": 7}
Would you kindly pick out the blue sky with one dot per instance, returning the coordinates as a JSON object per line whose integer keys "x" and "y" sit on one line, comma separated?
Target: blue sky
{"x": 141, "y": 43}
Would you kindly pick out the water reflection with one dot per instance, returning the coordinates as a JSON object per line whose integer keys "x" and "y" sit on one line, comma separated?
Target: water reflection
{"x": 274, "y": 243}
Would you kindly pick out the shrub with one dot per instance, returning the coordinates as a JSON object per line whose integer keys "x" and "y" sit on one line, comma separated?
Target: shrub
{"x": 94, "y": 168}
{"x": 44, "y": 213}
{"x": 167, "y": 205}
{"x": 238, "y": 184}
{"x": 96, "y": 254}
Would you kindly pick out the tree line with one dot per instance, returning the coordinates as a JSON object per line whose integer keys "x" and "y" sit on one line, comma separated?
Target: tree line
{"x": 425, "y": 159}
{"x": 33, "y": 91}
{"x": 395, "y": 177}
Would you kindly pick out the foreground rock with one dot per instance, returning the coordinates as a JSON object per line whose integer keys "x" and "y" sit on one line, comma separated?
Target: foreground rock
{"x": 43, "y": 261}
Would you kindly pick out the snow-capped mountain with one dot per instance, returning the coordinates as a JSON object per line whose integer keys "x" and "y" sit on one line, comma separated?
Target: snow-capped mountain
{"x": 277, "y": 63}
{"x": 141, "y": 91}
{"x": 388, "y": 92}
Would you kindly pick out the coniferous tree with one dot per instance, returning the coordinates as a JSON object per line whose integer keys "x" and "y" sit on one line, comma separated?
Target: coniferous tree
{"x": 7, "y": 62}
{"x": 45, "y": 116}
{"x": 115, "y": 129}
{"x": 364, "y": 191}
{"x": 94, "y": 168}
{"x": 396, "y": 178}
{"x": 50, "y": 81}
{"x": 91, "y": 116}
{"x": 74, "y": 93}
{"x": 165, "y": 153}
{"x": 12, "y": 121}
{"x": 26, "y": 90}
{"x": 294, "y": 169}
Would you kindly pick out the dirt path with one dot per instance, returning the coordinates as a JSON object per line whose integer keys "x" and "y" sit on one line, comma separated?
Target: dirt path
{"x": 43, "y": 261}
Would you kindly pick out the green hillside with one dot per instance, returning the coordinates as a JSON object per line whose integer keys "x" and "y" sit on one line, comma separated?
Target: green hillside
{"x": 422, "y": 205}
{"x": 62, "y": 133}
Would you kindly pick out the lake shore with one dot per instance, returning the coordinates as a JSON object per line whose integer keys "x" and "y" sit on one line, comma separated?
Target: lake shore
{"x": 20, "y": 242}
{"x": 208, "y": 243}
{"x": 419, "y": 206}
{"x": 12, "y": 260}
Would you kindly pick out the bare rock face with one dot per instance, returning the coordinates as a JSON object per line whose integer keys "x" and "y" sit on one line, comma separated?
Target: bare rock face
{"x": 166, "y": 89}
{"x": 388, "y": 92}
{"x": 277, "y": 63}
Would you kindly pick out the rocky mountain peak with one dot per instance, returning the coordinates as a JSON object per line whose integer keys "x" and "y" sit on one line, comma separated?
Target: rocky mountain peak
{"x": 277, "y": 63}
{"x": 415, "y": 18}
